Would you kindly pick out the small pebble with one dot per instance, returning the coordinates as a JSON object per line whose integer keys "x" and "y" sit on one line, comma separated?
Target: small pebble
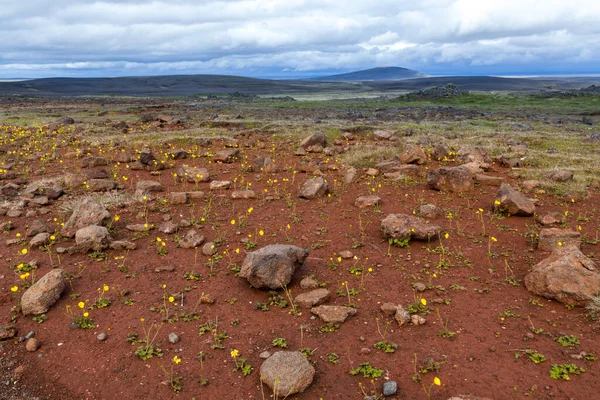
{"x": 32, "y": 345}
{"x": 264, "y": 355}
{"x": 173, "y": 338}
{"x": 74, "y": 325}
{"x": 30, "y": 335}
{"x": 390, "y": 388}
{"x": 102, "y": 337}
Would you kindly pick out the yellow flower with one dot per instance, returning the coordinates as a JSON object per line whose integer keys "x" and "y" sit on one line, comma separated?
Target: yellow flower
{"x": 14, "y": 289}
{"x": 424, "y": 302}
{"x": 497, "y": 202}
{"x": 237, "y": 251}
{"x": 171, "y": 299}
{"x": 261, "y": 232}
{"x": 18, "y": 234}
{"x": 24, "y": 251}
{"x": 436, "y": 381}
{"x": 81, "y": 304}
{"x": 106, "y": 288}
{"x": 288, "y": 226}
{"x": 24, "y": 276}
{"x": 370, "y": 269}
{"x": 158, "y": 239}
{"x": 233, "y": 222}
{"x": 144, "y": 198}
{"x": 446, "y": 235}
{"x": 560, "y": 244}
{"x": 86, "y": 314}
{"x": 234, "y": 353}
{"x": 176, "y": 360}
{"x": 493, "y": 239}
{"x": 117, "y": 218}
{"x": 250, "y": 210}
{"x": 339, "y": 259}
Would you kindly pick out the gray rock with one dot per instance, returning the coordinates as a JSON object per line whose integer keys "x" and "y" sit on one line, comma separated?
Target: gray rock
{"x": 559, "y": 176}
{"x": 7, "y": 331}
{"x": 334, "y": 314}
{"x": 429, "y": 211}
{"x": 173, "y": 338}
{"x": 178, "y": 197}
{"x": 515, "y": 203}
{"x": 264, "y": 355}
{"x": 227, "y": 156}
{"x": 44, "y": 293}
{"x": 168, "y": 227}
{"x": 384, "y": 135}
{"x": 85, "y": 214}
{"x": 38, "y": 227}
{"x": 209, "y": 249}
{"x": 388, "y": 308}
{"x": 243, "y": 194}
{"x": 309, "y": 283}
{"x": 102, "y": 337}
{"x": 367, "y": 201}
{"x": 145, "y": 187}
{"x": 101, "y": 185}
{"x": 403, "y": 226}
{"x": 402, "y": 316}
{"x": 272, "y": 266}
{"x": 122, "y": 245}
{"x": 390, "y": 388}
{"x": 286, "y": 373}
{"x": 567, "y": 276}
{"x": 413, "y": 155}
{"x": 450, "y": 179}
{"x": 313, "y": 188}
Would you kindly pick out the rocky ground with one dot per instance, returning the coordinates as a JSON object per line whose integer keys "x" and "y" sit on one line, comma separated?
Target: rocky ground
{"x": 165, "y": 249}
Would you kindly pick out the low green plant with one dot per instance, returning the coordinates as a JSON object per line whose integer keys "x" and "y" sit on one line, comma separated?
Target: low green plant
{"x": 333, "y": 358}
{"x": 367, "y": 370}
{"x": 562, "y": 371}
{"x": 386, "y": 347}
{"x": 567, "y": 340}
{"x": 280, "y": 342}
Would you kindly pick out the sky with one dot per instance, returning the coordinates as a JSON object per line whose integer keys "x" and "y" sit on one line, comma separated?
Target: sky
{"x": 297, "y": 38}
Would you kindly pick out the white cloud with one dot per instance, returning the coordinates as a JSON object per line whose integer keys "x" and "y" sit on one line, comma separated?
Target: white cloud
{"x": 112, "y": 37}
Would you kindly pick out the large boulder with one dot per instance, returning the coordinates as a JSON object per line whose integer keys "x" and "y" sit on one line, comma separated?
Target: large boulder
{"x": 313, "y": 188}
{"x": 515, "y": 203}
{"x": 567, "y": 276}
{"x": 451, "y": 179}
{"x": 44, "y": 293}
{"x": 286, "y": 373}
{"x": 273, "y": 266}
{"x": 403, "y": 226}
{"x": 85, "y": 214}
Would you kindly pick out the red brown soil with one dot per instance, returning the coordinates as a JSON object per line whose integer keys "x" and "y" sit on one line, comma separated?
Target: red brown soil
{"x": 480, "y": 360}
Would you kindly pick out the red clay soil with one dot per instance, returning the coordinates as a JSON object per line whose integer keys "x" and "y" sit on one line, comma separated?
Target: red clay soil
{"x": 493, "y": 320}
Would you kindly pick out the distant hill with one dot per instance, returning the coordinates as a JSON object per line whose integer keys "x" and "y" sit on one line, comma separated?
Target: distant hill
{"x": 373, "y": 74}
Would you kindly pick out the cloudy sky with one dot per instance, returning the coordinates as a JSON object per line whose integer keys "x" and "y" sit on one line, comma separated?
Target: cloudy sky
{"x": 297, "y": 38}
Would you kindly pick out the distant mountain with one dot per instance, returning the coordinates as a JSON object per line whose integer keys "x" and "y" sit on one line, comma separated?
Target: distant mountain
{"x": 373, "y": 74}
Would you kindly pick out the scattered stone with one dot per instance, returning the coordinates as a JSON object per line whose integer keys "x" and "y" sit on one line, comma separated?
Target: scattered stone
{"x": 384, "y": 135}
{"x": 531, "y": 184}
{"x": 287, "y": 372}
{"x": 173, "y": 338}
{"x": 138, "y": 227}
{"x": 333, "y": 314}
{"x": 191, "y": 240}
{"x": 402, "y": 316}
{"x": 178, "y": 198}
{"x": 559, "y": 176}
{"x": 32, "y": 345}
{"x": 193, "y": 174}
{"x": 147, "y": 158}
{"x": 350, "y": 175}
{"x": 487, "y": 180}
{"x": 243, "y": 194}
{"x": 388, "y": 308}
{"x": 264, "y": 164}
{"x": 429, "y": 211}
{"x": 552, "y": 238}
{"x": 473, "y": 154}
{"x": 346, "y": 254}
{"x": 272, "y": 266}
{"x": 441, "y": 152}
{"x": 38, "y": 227}
{"x": 419, "y": 286}
{"x": 146, "y": 187}
{"x": 451, "y": 179}
{"x": 510, "y": 201}
{"x": 367, "y": 201}
{"x": 227, "y": 156}
{"x": 264, "y": 355}
{"x": 179, "y": 154}
{"x": 209, "y": 249}
{"x": 417, "y": 319}
{"x": 219, "y": 185}
{"x": 567, "y": 276}
{"x": 313, "y": 188}
{"x": 309, "y": 283}
{"x": 403, "y": 226}
{"x": 93, "y": 162}
{"x": 312, "y": 298}
{"x": 372, "y": 171}
{"x": 390, "y": 388}
{"x": 168, "y": 227}
{"x": 44, "y": 293}
{"x": 551, "y": 218}
{"x": 102, "y": 337}
{"x": 7, "y": 331}
{"x": 85, "y": 214}
{"x": 316, "y": 139}
{"x": 413, "y": 155}
{"x": 41, "y": 239}
{"x": 164, "y": 268}
{"x": 121, "y": 245}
